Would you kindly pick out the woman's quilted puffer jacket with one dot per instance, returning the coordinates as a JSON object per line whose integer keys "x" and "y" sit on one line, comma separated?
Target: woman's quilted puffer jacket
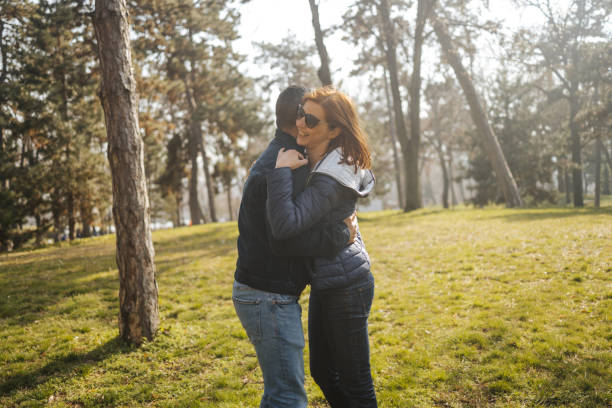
{"x": 330, "y": 196}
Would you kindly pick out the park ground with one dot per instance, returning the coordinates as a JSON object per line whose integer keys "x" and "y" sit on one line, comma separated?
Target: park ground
{"x": 473, "y": 308}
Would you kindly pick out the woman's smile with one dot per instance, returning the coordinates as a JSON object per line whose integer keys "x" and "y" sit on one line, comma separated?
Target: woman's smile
{"x": 314, "y": 138}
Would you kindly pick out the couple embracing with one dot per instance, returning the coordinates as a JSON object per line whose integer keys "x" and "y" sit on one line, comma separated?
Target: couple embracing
{"x": 296, "y": 227}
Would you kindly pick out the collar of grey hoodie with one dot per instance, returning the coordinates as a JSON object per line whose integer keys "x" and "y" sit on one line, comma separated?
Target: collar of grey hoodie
{"x": 360, "y": 181}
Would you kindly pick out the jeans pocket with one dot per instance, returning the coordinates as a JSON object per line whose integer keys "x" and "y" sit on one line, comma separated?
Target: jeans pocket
{"x": 249, "y": 313}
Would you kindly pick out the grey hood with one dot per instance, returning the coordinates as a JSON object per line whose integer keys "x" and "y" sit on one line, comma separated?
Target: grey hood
{"x": 360, "y": 181}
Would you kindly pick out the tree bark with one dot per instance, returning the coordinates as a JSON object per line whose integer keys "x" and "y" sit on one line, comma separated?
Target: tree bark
{"x": 479, "y": 116}
{"x": 396, "y": 158}
{"x": 86, "y": 212}
{"x": 575, "y": 143}
{"x": 194, "y": 149}
{"x": 228, "y": 190}
{"x": 608, "y": 159}
{"x": 598, "y": 146}
{"x": 138, "y": 310}
{"x": 209, "y": 183}
{"x": 585, "y": 184}
{"x": 451, "y": 178}
{"x": 560, "y": 179}
{"x": 177, "y": 222}
{"x": 71, "y": 214}
{"x": 400, "y": 125}
{"x": 444, "y": 177}
{"x": 415, "y": 200}
{"x": 195, "y": 140}
{"x": 607, "y": 169}
{"x": 576, "y": 149}
{"x": 606, "y": 182}
{"x": 55, "y": 212}
{"x": 439, "y": 147}
{"x": 324, "y": 72}
{"x": 568, "y": 189}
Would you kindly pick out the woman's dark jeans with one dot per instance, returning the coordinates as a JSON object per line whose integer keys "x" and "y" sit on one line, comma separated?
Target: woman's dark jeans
{"x": 339, "y": 347}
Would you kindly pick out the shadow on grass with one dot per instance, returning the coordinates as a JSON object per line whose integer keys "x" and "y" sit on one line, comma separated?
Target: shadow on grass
{"x": 391, "y": 215}
{"x": 221, "y": 235}
{"x": 545, "y": 214}
{"x": 63, "y": 367}
{"x": 29, "y": 288}
{"x": 35, "y": 288}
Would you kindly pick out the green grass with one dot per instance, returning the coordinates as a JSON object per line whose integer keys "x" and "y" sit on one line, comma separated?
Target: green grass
{"x": 473, "y": 308}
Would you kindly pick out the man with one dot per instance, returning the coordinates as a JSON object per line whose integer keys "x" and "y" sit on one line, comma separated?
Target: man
{"x": 270, "y": 275}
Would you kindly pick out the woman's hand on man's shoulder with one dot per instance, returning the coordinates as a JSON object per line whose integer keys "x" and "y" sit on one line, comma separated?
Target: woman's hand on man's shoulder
{"x": 290, "y": 158}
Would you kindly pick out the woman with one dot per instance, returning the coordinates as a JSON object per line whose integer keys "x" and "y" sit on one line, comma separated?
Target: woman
{"x": 342, "y": 287}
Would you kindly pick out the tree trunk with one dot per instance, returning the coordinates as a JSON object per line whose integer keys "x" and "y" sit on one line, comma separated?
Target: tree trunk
{"x": 71, "y": 215}
{"x": 138, "y": 314}
{"x": 324, "y": 73}
{"x": 86, "y": 213}
{"x": 39, "y": 232}
{"x": 606, "y": 173}
{"x": 444, "y": 177}
{"x": 439, "y": 147}
{"x": 2, "y": 179}
{"x": 598, "y": 146}
{"x": 606, "y": 181}
{"x": 568, "y": 185}
{"x": 177, "y": 221}
{"x": 414, "y": 202}
{"x": 400, "y": 125}
{"x": 209, "y": 184}
{"x": 560, "y": 179}
{"x": 396, "y": 158}
{"x": 479, "y": 116}
{"x": 575, "y": 143}
{"x": 194, "y": 150}
{"x": 195, "y": 139}
{"x": 228, "y": 190}
{"x": 56, "y": 222}
{"x": 451, "y": 178}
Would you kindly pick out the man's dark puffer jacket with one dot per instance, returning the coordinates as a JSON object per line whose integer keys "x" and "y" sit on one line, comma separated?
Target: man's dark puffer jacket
{"x": 330, "y": 196}
{"x": 278, "y": 266}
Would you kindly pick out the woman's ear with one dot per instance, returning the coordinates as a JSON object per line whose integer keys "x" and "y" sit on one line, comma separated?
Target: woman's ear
{"x": 334, "y": 132}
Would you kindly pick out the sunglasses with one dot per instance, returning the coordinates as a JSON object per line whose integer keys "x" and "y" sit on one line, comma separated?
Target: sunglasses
{"x": 311, "y": 120}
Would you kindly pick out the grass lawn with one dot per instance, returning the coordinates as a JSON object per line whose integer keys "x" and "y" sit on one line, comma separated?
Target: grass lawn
{"x": 473, "y": 308}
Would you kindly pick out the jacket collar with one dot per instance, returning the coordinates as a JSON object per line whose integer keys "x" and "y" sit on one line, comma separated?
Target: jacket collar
{"x": 361, "y": 181}
{"x": 287, "y": 140}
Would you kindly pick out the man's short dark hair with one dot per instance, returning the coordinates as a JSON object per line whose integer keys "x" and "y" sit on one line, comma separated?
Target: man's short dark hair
{"x": 286, "y": 106}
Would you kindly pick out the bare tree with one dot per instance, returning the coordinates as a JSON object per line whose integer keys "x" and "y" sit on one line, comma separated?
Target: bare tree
{"x": 324, "y": 73}
{"x": 598, "y": 148}
{"x": 412, "y": 195}
{"x": 396, "y": 158}
{"x": 560, "y": 47}
{"x": 424, "y": 7}
{"x": 138, "y": 310}
{"x": 479, "y": 116}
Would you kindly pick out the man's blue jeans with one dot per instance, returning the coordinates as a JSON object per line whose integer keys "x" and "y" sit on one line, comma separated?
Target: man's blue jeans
{"x": 273, "y": 323}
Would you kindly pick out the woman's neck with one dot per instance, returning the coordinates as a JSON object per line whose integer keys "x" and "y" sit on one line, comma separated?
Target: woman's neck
{"x": 315, "y": 154}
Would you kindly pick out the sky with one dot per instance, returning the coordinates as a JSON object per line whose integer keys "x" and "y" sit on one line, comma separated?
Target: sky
{"x": 271, "y": 20}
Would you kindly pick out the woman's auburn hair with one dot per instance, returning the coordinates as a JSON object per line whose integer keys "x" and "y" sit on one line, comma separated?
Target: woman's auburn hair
{"x": 340, "y": 112}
